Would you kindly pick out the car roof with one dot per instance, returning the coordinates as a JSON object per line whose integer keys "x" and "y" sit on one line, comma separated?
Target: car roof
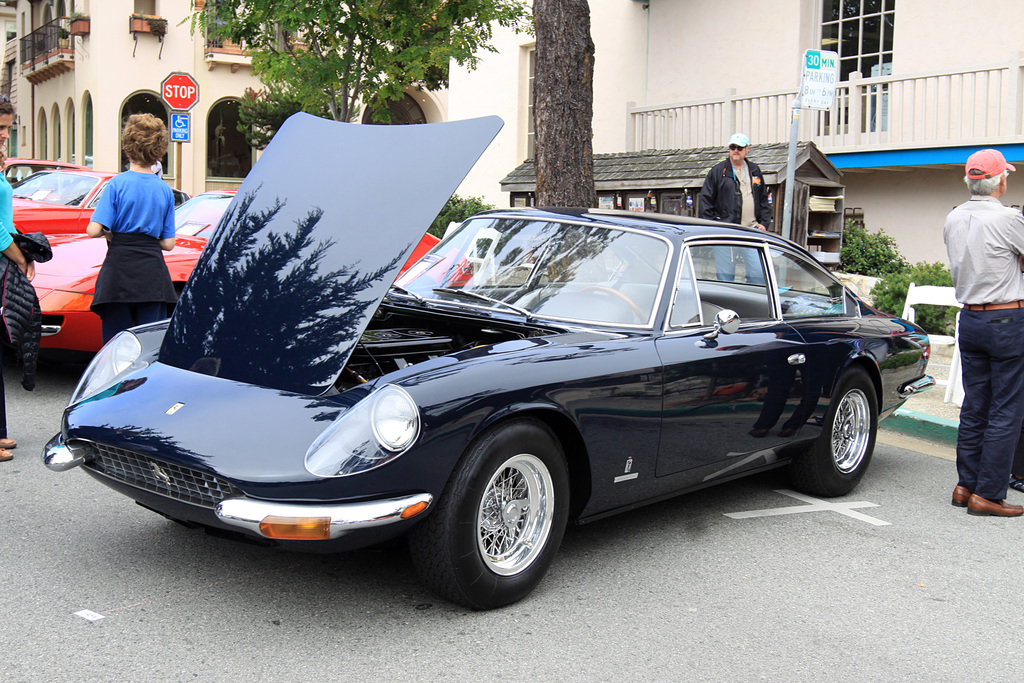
{"x": 42, "y": 162}
{"x": 657, "y": 223}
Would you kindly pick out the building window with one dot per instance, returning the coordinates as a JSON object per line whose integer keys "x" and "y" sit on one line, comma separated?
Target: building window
{"x": 71, "y": 134}
{"x": 42, "y": 135}
{"x": 861, "y": 32}
{"x": 143, "y": 103}
{"x": 87, "y": 120}
{"x": 404, "y": 111}
{"x": 12, "y": 29}
{"x": 56, "y": 133}
{"x": 228, "y": 155}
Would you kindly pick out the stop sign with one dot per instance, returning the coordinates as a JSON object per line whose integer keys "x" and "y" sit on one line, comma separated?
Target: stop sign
{"x": 180, "y": 91}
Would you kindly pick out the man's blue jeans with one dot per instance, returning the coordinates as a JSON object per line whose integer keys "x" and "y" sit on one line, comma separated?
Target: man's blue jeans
{"x": 992, "y": 360}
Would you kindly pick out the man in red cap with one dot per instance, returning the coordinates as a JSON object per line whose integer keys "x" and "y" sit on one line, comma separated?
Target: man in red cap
{"x": 985, "y": 243}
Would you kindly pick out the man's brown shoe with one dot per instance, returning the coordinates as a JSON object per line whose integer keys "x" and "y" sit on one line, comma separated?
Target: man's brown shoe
{"x": 960, "y": 496}
{"x": 977, "y": 505}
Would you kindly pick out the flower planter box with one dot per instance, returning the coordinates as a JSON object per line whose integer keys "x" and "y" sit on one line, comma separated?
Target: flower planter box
{"x": 79, "y": 27}
{"x": 143, "y": 23}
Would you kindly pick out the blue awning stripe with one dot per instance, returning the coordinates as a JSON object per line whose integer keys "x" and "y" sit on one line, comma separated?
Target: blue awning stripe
{"x": 931, "y": 156}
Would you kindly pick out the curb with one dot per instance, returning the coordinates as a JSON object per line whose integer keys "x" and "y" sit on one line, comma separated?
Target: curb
{"x": 922, "y": 426}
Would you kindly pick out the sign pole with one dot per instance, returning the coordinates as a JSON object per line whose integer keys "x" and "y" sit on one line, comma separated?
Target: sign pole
{"x": 817, "y": 91}
{"x": 787, "y": 207}
{"x": 180, "y": 92}
{"x": 177, "y": 165}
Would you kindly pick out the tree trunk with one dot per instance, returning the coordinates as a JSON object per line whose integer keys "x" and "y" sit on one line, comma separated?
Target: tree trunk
{"x": 563, "y": 109}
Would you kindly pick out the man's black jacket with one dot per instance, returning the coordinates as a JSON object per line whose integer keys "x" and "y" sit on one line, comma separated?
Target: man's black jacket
{"x": 720, "y": 198}
{"x": 21, "y": 316}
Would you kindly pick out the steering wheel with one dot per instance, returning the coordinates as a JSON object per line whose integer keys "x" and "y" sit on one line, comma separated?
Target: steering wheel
{"x": 603, "y": 288}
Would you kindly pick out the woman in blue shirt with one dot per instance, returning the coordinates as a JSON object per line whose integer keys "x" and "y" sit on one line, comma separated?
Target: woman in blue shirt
{"x": 11, "y": 251}
{"x": 136, "y": 215}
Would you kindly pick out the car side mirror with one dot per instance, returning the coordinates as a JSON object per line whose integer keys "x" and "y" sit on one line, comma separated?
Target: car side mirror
{"x": 725, "y": 321}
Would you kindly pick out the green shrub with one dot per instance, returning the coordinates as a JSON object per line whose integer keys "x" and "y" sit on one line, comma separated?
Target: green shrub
{"x": 866, "y": 253}
{"x": 890, "y": 293}
{"x": 457, "y": 210}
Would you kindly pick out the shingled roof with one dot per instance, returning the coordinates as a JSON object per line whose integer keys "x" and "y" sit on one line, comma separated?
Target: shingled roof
{"x": 679, "y": 168}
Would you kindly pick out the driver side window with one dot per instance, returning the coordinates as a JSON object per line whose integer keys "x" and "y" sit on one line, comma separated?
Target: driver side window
{"x": 731, "y": 277}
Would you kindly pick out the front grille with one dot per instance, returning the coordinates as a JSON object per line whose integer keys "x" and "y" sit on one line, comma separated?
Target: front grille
{"x": 157, "y": 476}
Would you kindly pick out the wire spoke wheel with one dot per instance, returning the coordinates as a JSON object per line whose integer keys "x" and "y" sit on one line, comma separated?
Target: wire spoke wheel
{"x": 837, "y": 460}
{"x": 515, "y": 515}
{"x": 851, "y": 432}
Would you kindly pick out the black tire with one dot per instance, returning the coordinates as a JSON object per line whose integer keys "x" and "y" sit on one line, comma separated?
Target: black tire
{"x": 840, "y": 456}
{"x": 481, "y": 553}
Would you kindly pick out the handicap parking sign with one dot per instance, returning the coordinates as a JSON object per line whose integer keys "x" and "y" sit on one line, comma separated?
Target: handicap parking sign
{"x": 179, "y": 127}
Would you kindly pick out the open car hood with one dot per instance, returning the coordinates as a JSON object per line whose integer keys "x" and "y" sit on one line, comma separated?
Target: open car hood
{"x": 310, "y": 245}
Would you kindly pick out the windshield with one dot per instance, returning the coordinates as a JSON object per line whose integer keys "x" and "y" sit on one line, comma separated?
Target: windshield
{"x": 558, "y": 270}
{"x": 200, "y": 215}
{"x": 57, "y": 187}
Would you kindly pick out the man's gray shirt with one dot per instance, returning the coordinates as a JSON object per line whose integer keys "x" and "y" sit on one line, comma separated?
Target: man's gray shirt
{"x": 984, "y": 241}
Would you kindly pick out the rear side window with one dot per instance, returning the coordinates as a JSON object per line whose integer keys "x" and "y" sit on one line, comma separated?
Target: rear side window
{"x": 804, "y": 290}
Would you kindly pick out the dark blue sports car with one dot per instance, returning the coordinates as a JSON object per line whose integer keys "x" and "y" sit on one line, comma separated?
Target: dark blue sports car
{"x": 537, "y": 368}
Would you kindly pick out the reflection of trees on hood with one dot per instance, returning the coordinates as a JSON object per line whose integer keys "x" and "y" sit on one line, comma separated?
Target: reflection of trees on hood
{"x": 263, "y": 302}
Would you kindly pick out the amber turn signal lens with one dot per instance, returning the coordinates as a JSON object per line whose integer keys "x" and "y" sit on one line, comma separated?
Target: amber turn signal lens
{"x": 296, "y": 528}
{"x": 414, "y": 510}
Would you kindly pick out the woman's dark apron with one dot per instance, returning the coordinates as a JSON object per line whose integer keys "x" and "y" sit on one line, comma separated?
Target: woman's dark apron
{"x": 133, "y": 272}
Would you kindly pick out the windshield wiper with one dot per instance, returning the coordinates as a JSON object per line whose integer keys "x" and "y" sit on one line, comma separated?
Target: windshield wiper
{"x": 406, "y": 292}
{"x": 484, "y": 297}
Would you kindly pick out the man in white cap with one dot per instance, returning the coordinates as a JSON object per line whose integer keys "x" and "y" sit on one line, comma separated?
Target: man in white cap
{"x": 734, "y": 191}
{"x": 985, "y": 243}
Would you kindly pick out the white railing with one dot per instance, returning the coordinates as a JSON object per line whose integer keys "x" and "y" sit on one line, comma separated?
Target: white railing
{"x": 977, "y": 106}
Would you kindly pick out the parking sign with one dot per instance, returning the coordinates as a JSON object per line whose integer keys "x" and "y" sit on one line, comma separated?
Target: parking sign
{"x": 179, "y": 127}
{"x": 820, "y": 74}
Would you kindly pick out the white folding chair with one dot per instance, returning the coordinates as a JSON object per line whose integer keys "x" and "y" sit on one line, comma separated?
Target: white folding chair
{"x": 938, "y": 296}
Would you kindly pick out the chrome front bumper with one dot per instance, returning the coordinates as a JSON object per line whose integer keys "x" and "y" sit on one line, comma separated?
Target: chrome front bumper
{"x": 59, "y": 457}
{"x": 249, "y": 514}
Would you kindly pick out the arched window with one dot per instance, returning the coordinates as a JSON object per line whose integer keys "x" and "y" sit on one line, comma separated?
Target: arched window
{"x": 42, "y": 135}
{"x": 71, "y": 132}
{"x": 87, "y": 151}
{"x": 228, "y": 155}
{"x": 55, "y": 117}
{"x": 144, "y": 103}
{"x": 404, "y": 111}
{"x": 62, "y": 8}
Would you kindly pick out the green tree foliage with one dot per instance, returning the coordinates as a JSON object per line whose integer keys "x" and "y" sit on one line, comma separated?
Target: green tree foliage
{"x": 261, "y": 113}
{"x": 457, "y": 210}
{"x": 865, "y": 253}
{"x": 890, "y": 293}
{"x": 331, "y": 55}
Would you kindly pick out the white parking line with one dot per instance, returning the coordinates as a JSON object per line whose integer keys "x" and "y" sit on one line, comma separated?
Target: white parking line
{"x": 814, "y": 505}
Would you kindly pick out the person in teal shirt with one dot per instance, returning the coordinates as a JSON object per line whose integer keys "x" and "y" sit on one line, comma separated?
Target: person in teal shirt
{"x": 11, "y": 251}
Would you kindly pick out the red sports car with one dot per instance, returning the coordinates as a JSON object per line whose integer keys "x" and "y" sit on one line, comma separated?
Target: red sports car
{"x": 61, "y": 201}
{"x": 66, "y": 283}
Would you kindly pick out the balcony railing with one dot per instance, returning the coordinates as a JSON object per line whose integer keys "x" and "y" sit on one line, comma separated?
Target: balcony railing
{"x": 221, "y": 51}
{"x": 976, "y": 106}
{"x": 47, "y": 51}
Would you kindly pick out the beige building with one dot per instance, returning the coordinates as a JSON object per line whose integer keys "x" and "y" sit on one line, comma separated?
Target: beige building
{"x": 76, "y": 69}
{"x": 923, "y": 84}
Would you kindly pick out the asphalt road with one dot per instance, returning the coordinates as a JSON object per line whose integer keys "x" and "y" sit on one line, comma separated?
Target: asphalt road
{"x": 908, "y": 588}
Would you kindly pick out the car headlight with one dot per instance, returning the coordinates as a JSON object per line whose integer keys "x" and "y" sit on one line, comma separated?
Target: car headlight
{"x": 375, "y": 431}
{"x": 118, "y": 356}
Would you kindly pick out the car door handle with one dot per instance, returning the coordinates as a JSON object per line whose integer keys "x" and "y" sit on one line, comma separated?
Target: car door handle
{"x": 797, "y": 359}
